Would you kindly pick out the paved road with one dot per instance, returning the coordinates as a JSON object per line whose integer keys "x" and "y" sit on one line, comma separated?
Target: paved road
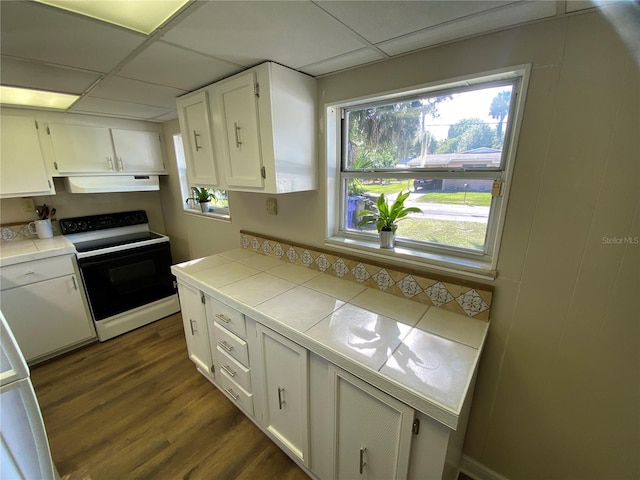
{"x": 442, "y": 211}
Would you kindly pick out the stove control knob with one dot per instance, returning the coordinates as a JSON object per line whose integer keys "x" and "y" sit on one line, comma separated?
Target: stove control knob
{"x": 72, "y": 227}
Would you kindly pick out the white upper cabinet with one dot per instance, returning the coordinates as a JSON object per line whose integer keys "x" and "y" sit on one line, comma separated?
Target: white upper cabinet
{"x": 83, "y": 149}
{"x": 22, "y": 170}
{"x": 242, "y": 158}
{"x": 137, "y": 151}
{"x": 264, "y": 120}
{"x": 195, "y": 125}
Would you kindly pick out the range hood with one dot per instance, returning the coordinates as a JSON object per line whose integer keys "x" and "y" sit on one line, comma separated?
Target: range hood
{"x": 112, "y": 183}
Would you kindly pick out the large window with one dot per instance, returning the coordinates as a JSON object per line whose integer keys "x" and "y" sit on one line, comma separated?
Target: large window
{"x": 218, "y": 206}
{"x": 451, "y": 146}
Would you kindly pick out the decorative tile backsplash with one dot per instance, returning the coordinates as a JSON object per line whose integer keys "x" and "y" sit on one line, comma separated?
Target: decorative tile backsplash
{"x": 20, "y": 231}
{"x": 473, "y": 300}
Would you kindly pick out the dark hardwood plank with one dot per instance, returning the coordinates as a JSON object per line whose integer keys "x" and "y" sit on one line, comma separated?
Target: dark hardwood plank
{"x": 135, "y": 407}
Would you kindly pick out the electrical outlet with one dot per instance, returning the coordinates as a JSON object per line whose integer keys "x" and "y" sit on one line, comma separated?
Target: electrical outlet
{"x": 272, "y": 206}
{"x": 28, "y": 205}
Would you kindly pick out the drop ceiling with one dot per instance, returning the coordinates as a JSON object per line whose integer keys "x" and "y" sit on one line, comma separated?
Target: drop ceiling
{"x": 122, "y": 73}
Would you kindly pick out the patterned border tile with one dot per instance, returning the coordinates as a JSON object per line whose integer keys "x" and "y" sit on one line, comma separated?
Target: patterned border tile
{"x": 459, "y": 298}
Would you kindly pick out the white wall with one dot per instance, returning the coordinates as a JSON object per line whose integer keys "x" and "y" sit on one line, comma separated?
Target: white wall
{"x": 558, "y": 394}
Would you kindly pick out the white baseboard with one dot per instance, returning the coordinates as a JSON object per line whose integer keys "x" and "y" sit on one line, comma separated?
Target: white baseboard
{"x": 477, "y": 471}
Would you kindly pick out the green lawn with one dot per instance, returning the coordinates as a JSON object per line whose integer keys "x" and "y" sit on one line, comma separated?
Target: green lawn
{"x": 458, "y": 234}
{"x": 482, "y": 199}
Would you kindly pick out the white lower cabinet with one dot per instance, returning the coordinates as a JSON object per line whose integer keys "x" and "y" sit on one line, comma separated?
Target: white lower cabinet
{"x": 372, "y": 431}
{"x": 196, "y": 332}
{"x": 333, "y": 424}
{"x": 230, "y": 349}
{"x": 45, "y": 307}
{"x": 282, "y": 371}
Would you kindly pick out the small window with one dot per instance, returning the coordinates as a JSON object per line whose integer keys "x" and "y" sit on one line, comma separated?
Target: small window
{"x": 451, "y": 147}
{"x": 219, "y": 203}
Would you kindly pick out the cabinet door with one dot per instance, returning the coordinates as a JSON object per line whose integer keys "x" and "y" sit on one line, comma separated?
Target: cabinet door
{"x": 284, "y": 371}
{"x": 23, "y": 168}
{"x": 243, "y": 156}
{"x": 195, "y": 125}
{"x": 137, "y": 151}
{"x": 195, "y": 328}
{"x": 47, "y": 316}
{"x": 372, "y": 430}
{"x": 82, "y": 149}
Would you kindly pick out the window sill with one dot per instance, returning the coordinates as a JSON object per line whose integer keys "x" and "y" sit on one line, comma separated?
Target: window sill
{"x": 447, "y": 264}
{"x": 211, "y": 214}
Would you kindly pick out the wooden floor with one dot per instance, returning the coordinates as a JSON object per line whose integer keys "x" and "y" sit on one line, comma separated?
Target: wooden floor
{"x": 135, "y": 407}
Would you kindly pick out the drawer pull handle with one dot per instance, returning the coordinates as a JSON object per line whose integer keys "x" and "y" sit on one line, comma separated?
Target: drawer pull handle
{"x": 223, "y": 318}
{"x": 30, "y": 273}
{"x": 228, "y": 370}
{"x": 233, "y": 394}
{"x": 362, "y": 462}
{"x": 237, "y": 130}
{"x": 193, "y": 331}
{"x": 225, "y": 345}
{"x": 280, "y": 399}
{"x": 195, "y": 140}
{"x": 75, "y": 284}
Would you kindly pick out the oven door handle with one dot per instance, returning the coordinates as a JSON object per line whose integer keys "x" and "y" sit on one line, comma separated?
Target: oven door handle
{"x": 134, "y": 251}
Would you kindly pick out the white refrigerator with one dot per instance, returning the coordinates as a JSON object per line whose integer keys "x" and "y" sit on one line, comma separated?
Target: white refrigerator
{"x": 24, "y": 448}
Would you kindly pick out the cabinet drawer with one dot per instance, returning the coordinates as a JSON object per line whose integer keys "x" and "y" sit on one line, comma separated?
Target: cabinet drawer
{"x": 35, "y": 271}
{"x": 241, "y": 397}
{"x": 230, "y": 318}
{"x": 232, "y": 344}
{"x": 238, "y": 372}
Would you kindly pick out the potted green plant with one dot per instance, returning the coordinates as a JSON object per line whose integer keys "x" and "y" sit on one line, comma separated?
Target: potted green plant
{"x": 385, "y": 217}
{"x": 203, "y": 196}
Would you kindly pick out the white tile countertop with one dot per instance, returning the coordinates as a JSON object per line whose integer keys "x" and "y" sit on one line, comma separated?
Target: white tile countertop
{"x": 422, "y": 355}
{"x": 13, "y": 252}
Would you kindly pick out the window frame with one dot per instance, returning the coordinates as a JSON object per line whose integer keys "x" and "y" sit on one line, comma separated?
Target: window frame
{"x": 440, "y": 257}
{"x": 217, "y": 213}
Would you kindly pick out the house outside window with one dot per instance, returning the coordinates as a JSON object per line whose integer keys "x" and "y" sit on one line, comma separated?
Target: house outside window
{"x": 218, "y": 207}
{"x": 450, "y": 145}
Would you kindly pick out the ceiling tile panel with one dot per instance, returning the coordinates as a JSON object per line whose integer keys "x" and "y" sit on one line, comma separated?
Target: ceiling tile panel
{"x": 472, "y": 25}
{"x": 378, "y": 21}
{"x": 167, "y": 64}
{"x": 292, "y": 33}
{"x": 134, "y": 91}
{"x": 351, "y": 59}
{"x": 38, "y": 32}
{"x": 42, "y": 76}
{"x": 101, "y": 106}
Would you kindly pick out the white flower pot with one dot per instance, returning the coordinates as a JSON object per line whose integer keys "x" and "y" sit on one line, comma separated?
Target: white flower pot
{"x": 387, "y": 238}
{"x": 204, "y": 206}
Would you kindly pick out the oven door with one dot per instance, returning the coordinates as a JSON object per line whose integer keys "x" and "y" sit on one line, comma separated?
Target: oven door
{"x": 121, "y": 281}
